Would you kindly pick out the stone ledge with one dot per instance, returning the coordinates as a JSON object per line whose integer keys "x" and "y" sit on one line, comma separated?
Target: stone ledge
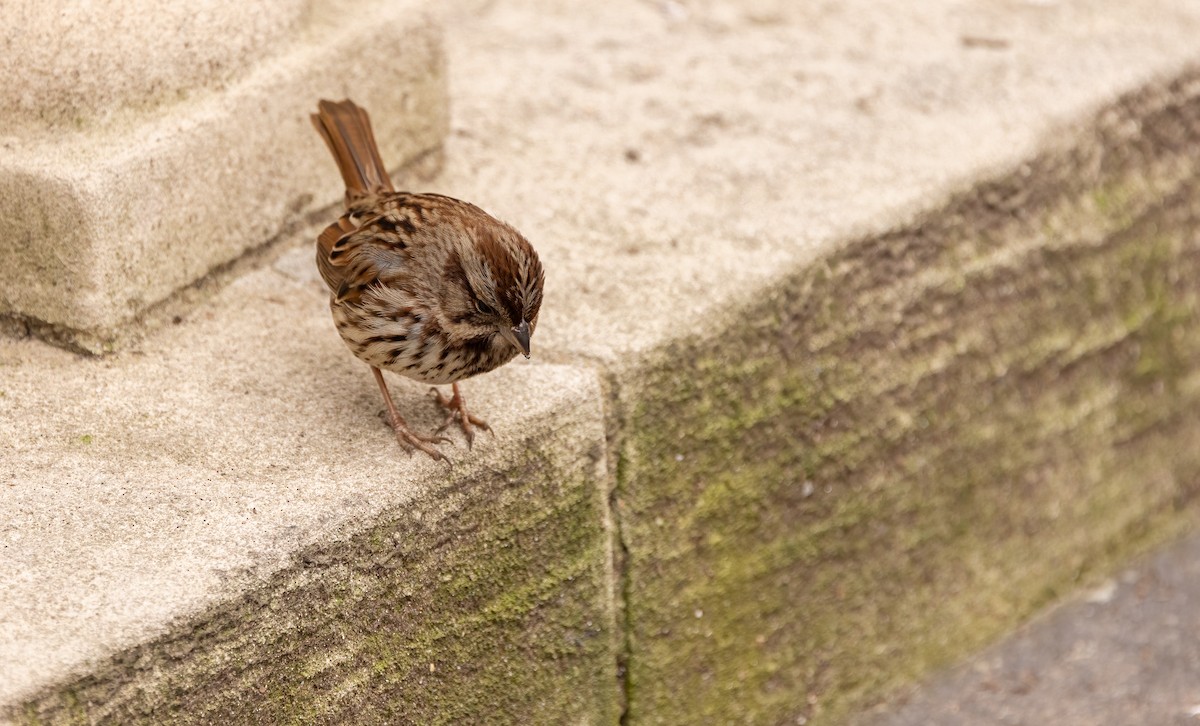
{"x": 743, "y": 248}
{"x": 870, "y": 340}
{"x": 907, "y": 449}
{"x": 103, "y": 222}
{"x": 175, "y": 543}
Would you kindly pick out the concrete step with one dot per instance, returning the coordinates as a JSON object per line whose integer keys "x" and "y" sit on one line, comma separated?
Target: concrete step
{"x": 868, "y": 332}
{"x": 218, "y": 525}
{"x": 142, "y": 176}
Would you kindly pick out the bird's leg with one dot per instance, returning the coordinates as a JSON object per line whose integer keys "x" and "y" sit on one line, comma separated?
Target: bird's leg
{"x": 405, "y": 435}
{"x": 456, "y": 408}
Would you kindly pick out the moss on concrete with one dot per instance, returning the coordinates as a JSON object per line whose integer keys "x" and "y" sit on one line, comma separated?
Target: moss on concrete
{"x": 488, "y": 601}
{"x": 900, "y": 453}
{"x": 871, "y": 469}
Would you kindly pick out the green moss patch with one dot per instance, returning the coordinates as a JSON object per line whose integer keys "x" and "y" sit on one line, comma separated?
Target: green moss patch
{"x": 486, "y": 601}
{"x": 899, "y": 454}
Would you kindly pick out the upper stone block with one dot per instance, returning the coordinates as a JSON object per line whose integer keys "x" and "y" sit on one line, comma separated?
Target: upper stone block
{"x": 147, "y": 147}
{"x": 76, "y": 63}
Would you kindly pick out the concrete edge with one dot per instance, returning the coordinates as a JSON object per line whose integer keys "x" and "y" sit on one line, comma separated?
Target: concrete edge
{"x": 413, "y": 618}
{"x": 809, "y": 389}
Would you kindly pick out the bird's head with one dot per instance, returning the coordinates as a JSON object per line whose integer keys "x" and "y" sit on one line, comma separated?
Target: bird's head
{"x": 492, "y": 284}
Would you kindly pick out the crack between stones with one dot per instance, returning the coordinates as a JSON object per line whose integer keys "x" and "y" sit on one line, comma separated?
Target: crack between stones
{"x": 614, "y": 433}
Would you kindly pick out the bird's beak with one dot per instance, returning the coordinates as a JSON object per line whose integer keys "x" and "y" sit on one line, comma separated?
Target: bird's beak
{"x": 518, "y": 336}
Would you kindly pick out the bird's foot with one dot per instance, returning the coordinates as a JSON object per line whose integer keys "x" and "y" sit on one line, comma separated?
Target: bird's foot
{"x": 456, "y": 410}
{"x": 406, "y": 437}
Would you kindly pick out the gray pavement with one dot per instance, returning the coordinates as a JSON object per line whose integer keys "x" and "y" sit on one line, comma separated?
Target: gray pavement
{"x": 1126, "y": 653}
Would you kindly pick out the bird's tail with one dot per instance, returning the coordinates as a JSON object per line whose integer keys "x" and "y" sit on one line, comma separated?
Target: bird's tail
{"x": 346, "y": 129}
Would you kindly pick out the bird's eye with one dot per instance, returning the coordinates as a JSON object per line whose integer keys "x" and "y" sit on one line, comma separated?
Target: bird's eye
{"x": 484, "y": 308}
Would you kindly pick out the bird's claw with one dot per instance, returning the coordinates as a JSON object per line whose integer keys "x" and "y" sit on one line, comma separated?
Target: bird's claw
{"x": 456, "y": 410}
{"x": 406, "y": 437}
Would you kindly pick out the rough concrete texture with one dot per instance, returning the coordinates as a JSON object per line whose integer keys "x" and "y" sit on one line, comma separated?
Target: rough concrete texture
{"x": 895, "y": 309}
{"x": 224, "y": 511}
{"x": 1124, "y": 653}
{"x": 899, "y": 305}
{"x": 900, "y": 453}
{"x": 71, "y": 64}
{"x": 107, "y": 214}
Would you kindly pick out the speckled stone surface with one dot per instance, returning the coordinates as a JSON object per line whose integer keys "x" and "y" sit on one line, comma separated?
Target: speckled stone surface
{"x": 869, "y": 330}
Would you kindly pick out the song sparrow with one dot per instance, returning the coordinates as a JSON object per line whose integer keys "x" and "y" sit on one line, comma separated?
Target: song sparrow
{"x": 424, "y": 285}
